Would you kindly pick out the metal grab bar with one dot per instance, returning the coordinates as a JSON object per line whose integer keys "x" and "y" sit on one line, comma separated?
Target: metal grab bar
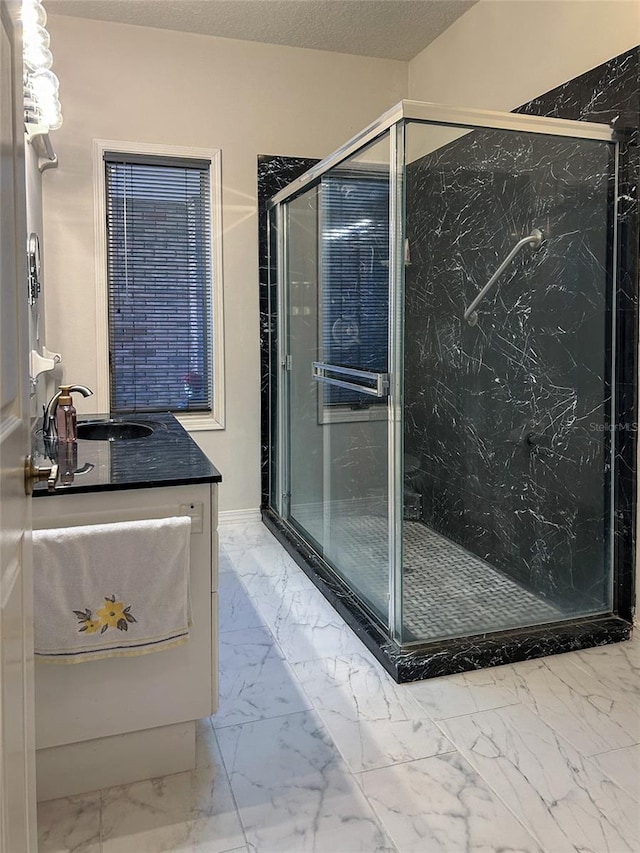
{"x": 534, "y": 239}
{"x": 381, "y": 380}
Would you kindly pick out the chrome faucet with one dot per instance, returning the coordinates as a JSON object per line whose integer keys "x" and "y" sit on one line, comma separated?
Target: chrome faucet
{"x": 49, "y": 419}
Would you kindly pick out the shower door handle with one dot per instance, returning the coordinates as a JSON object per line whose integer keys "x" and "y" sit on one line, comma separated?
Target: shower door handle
{"x": 378, "y": 383}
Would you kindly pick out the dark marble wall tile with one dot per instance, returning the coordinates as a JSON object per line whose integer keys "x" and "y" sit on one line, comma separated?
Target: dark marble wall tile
{"x": 611, "y": 93}
{"x": 606, "y": 94}
{"x": 508, "y": 418}
{"x": 274, "y": 173}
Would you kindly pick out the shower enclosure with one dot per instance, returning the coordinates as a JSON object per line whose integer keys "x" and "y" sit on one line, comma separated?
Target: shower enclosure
{"x": 443, "y": 382}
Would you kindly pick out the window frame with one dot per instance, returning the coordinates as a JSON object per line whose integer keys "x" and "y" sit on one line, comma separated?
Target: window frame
{"x": 196, "y": 421}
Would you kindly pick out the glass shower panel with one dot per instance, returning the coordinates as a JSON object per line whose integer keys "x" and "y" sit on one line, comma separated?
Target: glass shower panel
{"x": 507, "y": 414}
{"x": 303, "y": 482}
{"x": 337, "y": 298}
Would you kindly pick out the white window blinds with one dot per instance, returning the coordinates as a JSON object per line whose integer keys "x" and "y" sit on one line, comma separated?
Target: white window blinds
{"x": 159, "y": 282}
{"x": 355, "y": 276}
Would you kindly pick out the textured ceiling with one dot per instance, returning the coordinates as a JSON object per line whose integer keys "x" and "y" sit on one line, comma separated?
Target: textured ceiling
{"x": 391, "y": 29}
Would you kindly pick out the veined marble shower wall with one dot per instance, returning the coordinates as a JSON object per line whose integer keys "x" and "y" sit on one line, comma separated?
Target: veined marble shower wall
{"x": 509, "y": 418}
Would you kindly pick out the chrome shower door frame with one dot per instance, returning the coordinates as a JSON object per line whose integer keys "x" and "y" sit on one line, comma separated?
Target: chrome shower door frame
{"x": 445, "y": 116}
{"x": 394, "y": 121}
{"x": 396, "y": 379}
{"x": 379, "y": 385}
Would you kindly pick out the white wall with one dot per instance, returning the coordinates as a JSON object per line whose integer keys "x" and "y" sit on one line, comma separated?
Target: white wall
{"x": 502, "y": 53}
{"x": 150, "y": 85}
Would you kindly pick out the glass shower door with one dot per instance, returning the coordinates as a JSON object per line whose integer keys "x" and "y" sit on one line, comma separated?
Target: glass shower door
{"x": 335, "y": 360}
{"x": 508, "y": 378}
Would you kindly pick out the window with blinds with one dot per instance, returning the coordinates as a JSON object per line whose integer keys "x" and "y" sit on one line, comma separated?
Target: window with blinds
{"x": 158, "y": 212}
{"x": 355, "y": 276}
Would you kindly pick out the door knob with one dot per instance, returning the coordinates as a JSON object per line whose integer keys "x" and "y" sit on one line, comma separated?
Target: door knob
{"x": 36, "y": 474}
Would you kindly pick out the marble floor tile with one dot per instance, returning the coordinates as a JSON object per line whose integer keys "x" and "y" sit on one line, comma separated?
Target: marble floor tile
{"x": 564, "y": 801}
{"x": 580, "y": 706}
{"x": 207, "y": 749}
{"x": 225, "y": 563}
{"x": 247, "y": 646}
{"x": 306, "y": 626}
{"x": 616, "y": 665}
{"x": 466, "y": 693}
{"x": 70, "y": 825}
{"x": 269, "y": 570}
{"x": 239, "y": 536}
{"x": 255, "y": 682}
{"x": 633, "y": 644}
{"x": 623, "y": 766}
{"x": 236, "y": 610}
{"x": 441, "y": 805}
{"x": 192, "y": 812}
{"x": 294, "y": 792}
{"x": 372, "y": 720}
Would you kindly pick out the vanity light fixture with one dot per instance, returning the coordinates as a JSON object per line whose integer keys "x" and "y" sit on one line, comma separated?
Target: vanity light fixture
{"x": 42, "y": 111}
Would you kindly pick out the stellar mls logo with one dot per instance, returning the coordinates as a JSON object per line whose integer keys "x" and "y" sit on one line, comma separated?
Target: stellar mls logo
{"x": 630, "y": 426}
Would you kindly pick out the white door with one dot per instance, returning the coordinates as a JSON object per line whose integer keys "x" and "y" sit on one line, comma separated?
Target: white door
{"x": 17, "y": 756}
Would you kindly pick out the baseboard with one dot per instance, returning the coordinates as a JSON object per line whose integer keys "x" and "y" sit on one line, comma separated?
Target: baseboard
{"x": 77, "y": 768}
{"x": 238, "y": 515}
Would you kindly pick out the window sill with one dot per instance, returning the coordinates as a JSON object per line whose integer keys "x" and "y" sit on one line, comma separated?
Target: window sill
{"x": 199, "y": 423}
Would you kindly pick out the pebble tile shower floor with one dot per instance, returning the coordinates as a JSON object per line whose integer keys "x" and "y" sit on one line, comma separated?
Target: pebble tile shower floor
{"x": 448, "y": 592}
{"x": 315, "y": 749}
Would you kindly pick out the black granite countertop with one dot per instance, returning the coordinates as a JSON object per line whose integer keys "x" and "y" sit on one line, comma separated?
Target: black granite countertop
{"x": 167, "y": 457}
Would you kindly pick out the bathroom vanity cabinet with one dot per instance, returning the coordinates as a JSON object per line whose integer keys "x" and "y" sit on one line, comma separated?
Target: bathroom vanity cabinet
{"x": 121, "y": 719}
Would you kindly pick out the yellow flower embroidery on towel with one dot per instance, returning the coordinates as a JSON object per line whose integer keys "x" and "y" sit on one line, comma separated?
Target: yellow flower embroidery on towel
{"x": 87, "y": 624}
{"x": 113, "y": 614}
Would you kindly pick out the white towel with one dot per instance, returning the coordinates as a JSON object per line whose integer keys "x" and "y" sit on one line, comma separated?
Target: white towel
{"x": 106, "y": 590}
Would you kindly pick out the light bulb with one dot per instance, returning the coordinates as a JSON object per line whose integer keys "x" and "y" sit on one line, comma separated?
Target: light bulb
{"x": 51, "y": 114}
{"x": 36, "y": 35}
{"x": 37, "y": 56}
{"x": 33, "y": 14}
{"x": 45, "y": 85}
{"x": 41, "y": 84}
